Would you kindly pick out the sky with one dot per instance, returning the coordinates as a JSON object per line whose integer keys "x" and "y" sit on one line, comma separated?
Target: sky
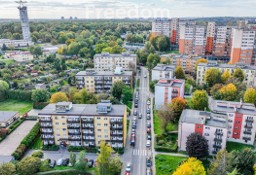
{"x": 98, "y": 9}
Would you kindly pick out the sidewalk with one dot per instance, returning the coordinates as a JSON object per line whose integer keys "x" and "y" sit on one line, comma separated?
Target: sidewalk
{"x": 171, "y": 154}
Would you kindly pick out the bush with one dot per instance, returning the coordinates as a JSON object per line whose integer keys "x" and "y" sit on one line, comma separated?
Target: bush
{"x": 38, "y": 154}
{"x": 50, "y": 148}
{"x": 19, "y": 95}
{"x": 165, "y": 149}
{"x": 39, "y": 105}
{"x": 81, "y": 148}
{"x": 45, "y": 166}
{"x": 160, "y": 142}
{"x": 19, "y": 152}
{"x": 29, "y": 139}
{"x": 15, "y": 125}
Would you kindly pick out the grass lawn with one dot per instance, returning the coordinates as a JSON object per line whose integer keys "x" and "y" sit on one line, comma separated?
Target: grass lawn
{"x": 15, "y": 105}
{"x": 38, "y": 144}
{"x": 166, "y": 165}
{"x": 172, "y": 127}
{"x": 62, "y": 168}
{"x": 7, "y": 61}
{"x": 237, "y": 146}
{"x": 157, "y": 124}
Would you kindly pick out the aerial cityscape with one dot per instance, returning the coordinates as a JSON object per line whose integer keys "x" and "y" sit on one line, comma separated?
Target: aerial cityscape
{"x": 128, "y": 87}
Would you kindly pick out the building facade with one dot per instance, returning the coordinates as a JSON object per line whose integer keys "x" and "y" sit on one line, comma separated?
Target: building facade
{"x": 223, "y": 41}
{"x": 108, "y": 62}
{"x": 210, "y": 35}
{"x": 24, "y": 20}
{"x": 7, "y": 118}
{"x": 160, "y": 26}
{"x": 102, "y": 81}
{"x": 86, "y": 125}
{"x": 214, "y": 129}
{"x": 249, "y": 72}
{"x": 166, "y": 90}
{"x": 162, "y": 71}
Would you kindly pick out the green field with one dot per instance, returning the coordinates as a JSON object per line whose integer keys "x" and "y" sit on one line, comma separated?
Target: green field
{"x": 7, "y": 61}
{"x": 166, "y": 165}
{"x": 157, "y": 124}
{"x": 236, "y": 146}
{"x": 15, "y": 105}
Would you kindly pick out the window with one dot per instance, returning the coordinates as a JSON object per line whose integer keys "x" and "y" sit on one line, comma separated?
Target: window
{"x": 63, "y": 117}
{"x": 105, "y": 118}
{"x": 98, "y": 118}
{"x": 230, "y": 121}
{"x": 57, "y": 123}
{"x": 206, "y": 134}
{"x": 58, "y": 135}
{"x": 207, "y": 127}
{"x": 63, "y": 123}
{"x": 105, "y": 124}
{"x": 99, "y": 136}
{"x": 64, "y": 129}
{"x": 56, "y": 117}
{"x": 98, "y": 124}
{"x": 106, "y": 136}
{"x": 99, "y": 130}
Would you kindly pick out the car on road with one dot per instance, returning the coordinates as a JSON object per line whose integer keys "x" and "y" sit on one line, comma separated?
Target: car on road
{"x": 52, "y": 163}
{"x": 148, "y": 102}
{"x": 148, "y": 124}
{"x": 148, "y": 144}
{"x": 148, "y": 130}
{"x": 90, "y": 163}
{"x": 140, "y": 116}
{"x": 133, "y": 131}
{"x": 136, "y": 104}
{"x": 65, "y": 162}
{"x": 128, "y": 168}
{"x": 148, "y": 111}
{"x": 60, "y": 162}
{"x": 148, "y": 162}
{"x": 148, "y": 137}
{"x": 148, "y": 117}
{"x": 149, "y": 172}
{"x": 145, "y": 76}
{"x": 135, "y": 112}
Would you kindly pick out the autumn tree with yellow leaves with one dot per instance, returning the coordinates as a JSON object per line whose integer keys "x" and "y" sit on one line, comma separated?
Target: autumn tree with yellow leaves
{"x": 192, "y": 166}
{"x": 58, "y": 97}
{"x": 228, "y": 92}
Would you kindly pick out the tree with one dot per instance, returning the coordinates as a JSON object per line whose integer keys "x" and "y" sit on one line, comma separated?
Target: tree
{"x": 127, "y": 94}
{"x": 214, "y": 91}
{"x": 84, "y": 97}
{"x": 197, "y": 146}
{"x": 219, "y": 163}
{"x": 177, "y": 105}
{"x": 36, "y": 50}
{"x": 152, "y": 60}
{"x": 250, "y": 96}
{"x": 212, "y": 76}
{"x": 199, "y": 100}
{"x": 161, "y": 43}
{"x": 45, "y": 166}
{"x": 29, "y": 165}
{"x": 72, "y": 158}
{"x": 81, "y": 164}
{"x": 7, "y": 168}
{"x": 115, "y": 165}
{"x": 166, "y": 115}
{"x": 117, "y": 90}
{"x": 192, "y": 166}
{"x": 3, "y": 85}
{"x": 103, "y": 161}
{"x": 179, "y": 73}
{"x": 239, "y": 74}
{"x": 40, "y": 95}
{"x": 225, "y": 76}
{"x": 58, "y": 97}
{"x": 228, "y": 92}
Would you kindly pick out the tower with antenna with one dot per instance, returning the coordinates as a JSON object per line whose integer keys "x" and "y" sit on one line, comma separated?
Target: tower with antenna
{"x": 24, "y": 19}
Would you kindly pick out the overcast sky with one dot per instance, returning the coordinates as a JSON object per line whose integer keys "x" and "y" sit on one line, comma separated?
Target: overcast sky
{"x": 130, "y": 8}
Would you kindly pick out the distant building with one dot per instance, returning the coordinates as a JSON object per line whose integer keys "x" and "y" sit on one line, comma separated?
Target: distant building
{"x": 249, "y": 72}
{"x": 160, "y": 26}
{"x": 40, "y": 86}
{"x": 108, "y": 62}
{"x": 86, "y": 125}
{"x": 7, "y": 118}
{"x": 102, "y": 81}
{"x": 162, "y": 71}
{"x": 15, "y": 43}
{"x": 166, "y": 90}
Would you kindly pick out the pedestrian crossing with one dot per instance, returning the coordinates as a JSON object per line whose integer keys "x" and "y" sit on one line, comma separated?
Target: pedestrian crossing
{"x": 140, "y": 152}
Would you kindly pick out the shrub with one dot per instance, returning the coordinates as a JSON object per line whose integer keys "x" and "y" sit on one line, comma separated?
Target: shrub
{"x": 38, "y": 154}
{"x": 19, "y": 95}
{"x": 29, "y": 139}
{"x": 19, "y": 152}
{"x": 160, "y": 142}
{"x": 45, "y": 166}
{"x": 39, "y": 105}
{"x": 50, "y": 147}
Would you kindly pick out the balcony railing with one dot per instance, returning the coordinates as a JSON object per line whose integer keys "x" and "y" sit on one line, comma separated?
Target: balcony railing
{"x": 47, "y": 131}
{"x": 45, "y": 119}
{"x": 248, "y": 126}
{"x": 116, "y": 127}
{"x": 249, "y": 120}
{"x": 73, "y": 120}
{"x": 44, "y": 125}
{"x": 74, "y": 138}
{"x": 87, "y": 120}
{"x": 248, "y": 132}
{"x": 87, "y": 126}
{"x": 217, "y": 146}
{"x": 73, "y": 126}
{"x": 217, "y": 139}
{"x": 247, "y": 138}
{"x": 47, "y": 137}
{"x": 116, "y": 121}
{"x": 116, "y": 133}
{"x": 88, "y": 138}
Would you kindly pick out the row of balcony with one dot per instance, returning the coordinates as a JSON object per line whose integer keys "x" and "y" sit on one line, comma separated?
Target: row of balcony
{"x": 45, "y": 119}
{"x": 47, "y": 136}
{"x": 46, "y": 125}
{"x": 116, "y": 127}
{"x": 46, "y": 131}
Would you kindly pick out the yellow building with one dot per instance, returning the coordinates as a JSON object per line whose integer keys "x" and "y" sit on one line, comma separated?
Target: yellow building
{"x": 86, "y": 125}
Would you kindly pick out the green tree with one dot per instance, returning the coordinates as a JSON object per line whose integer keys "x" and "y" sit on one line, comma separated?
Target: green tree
{"x": 197, "y": 146}
{"x": 166, "y": 115}
{"x": 179, "y": 73}
{"x": 7, "y": 168}
{"x": 117, "y": 89}
{"x": 192, "y": 166}
{"x": 199, "y": 100}
{"x": 29, "y": 165}
{"x": 81, "y": 164}
{"x": 103, "y": 161}
{"x": 40, "y": 95}
{"x": 127, "y": 94}
{"x": 84, "y": 97}
{"x": 212, "y": 76}
{"x": 3, "y": 85}
{"x": 72, "y": 158}
{"x": 234, "y": 172}
{"x": 250, "y": 96}
{"x": 58, "y": 97}
{"x": 177, "y": 105}
{"x": 228, "y": 92}
{"x": 115, "y": 165}
{"x": 161, "y": 43}
{"x": 239, "y": 74}
{"x": 153, "y": 60}
{"x": 219, "y": 163}
{"x": 45, "y": 166}
{"x": 36, "y": 50}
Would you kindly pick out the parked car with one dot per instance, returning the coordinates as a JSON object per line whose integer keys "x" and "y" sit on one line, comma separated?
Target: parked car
{"x": 148, "y": 111}
{"x": 148, "y": 117}
{"x": 128, "y": 168}
{"x": 148, "y": 102}
{"x": 133, "y": 131}
{"x": 148, "y": 130}
{"x": 148, "y": 137}
{"x": 65, "y": 162}
{"x": 149, "y": 172}
{"x": 148, "y": 124}
{"x": 145, "y": 76}
{"x": 90, "y": 163}
{"x": 60, "y": 162}
{"x": 135, "y": 113}
{"x": 148, "y": 162}
{"x": 148, "y": 144}
{"x": 140, "y": 116}
{"x": 52, "y": 163}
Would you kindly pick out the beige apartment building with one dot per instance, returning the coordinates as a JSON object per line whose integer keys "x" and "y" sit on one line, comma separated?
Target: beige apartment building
{"x": 102, "y": 81}
{"x": 249, "y": 72}
{"x": 85, "y": 125}
{"x": 108, "y": 62}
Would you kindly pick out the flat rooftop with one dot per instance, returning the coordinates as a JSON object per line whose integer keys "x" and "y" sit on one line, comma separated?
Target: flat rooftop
{"x": 83, "y": 110}
{"x": 202, "y": 117}
{"x": 170, "y": 82}
{"x": 106, "y": 54}
{"x": 7, "y": 115}
{"x": 231, "y": 66}
{"x": 164, "y": 67}
{"x": 103, "y": 73}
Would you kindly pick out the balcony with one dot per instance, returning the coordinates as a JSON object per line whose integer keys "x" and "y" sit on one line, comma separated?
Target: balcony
{"x": 89, "y": 143}
{"x": 45, "y": 119}
{"x": 98, "y": 87}
{"x": 87, "y": 126}
{"x": 248, "y": 126}
{"x": 46, "y": 131}
{"x": 214, "y": 152}
{"x": 116, "y": 127}
{"x": 217, "y": 139}
{"x": 217, "y": 146}
{"x": 248, "y": 132}
{"x": 116, "y": 139}
{"x": 247, "y": 138}
{"x": 72, "y": 126}
{"x": 47, "y": 137}
{"x": 218, "y": 133}
{"x": 88, "y": 138}
{"x": 88, "y": 132}
{"x": 46, "y": 125}
{"x": 75, "y": 132}
{"x": 116, "y": 121}
{"x": 87, "y": 120}
{"x": 73, "y": 120}
{"x": 116, "y": 133}
{"x": 74, "y": 138}
{"x": 249, "y": 120}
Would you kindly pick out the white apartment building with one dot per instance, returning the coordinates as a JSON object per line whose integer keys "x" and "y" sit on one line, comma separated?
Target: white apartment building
{"x": 161, "y": 26}
{"x": 15, "y": 43}
{"x": 109, "y": 62}
{"x": 249, "y": 72}
{"x": 162, "y": 71}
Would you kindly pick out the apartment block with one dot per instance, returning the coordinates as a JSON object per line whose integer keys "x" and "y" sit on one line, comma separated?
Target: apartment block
{"x": 243, "y": 44}
{"x": 160, "y": 26}
{"x": 210, "y": 34}
{"x": 249, "y": 72}
{"x": 85, "y": 125}
{"x": 102, "y": 81}
{"x": 108, "y": 62}
{"x": 174, "y": 31}
{"x": 162, "y": 71}
{"x": 240, "y": 117}
{"x": 214, "y": 129}
{"x": 223, "y": 41}
{"x": 166, "y": 90}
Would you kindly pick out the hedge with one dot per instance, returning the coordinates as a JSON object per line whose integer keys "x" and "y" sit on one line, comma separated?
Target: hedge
{"x": 165, "y": 149}
{"x": 39, "y": 105}
{"x": 50, "y": 148}
{"x": 19, "y": 95}
{"x": 26, "y": 142}
{"x": 81, "y": 148}
{"x": 15, "y": 125}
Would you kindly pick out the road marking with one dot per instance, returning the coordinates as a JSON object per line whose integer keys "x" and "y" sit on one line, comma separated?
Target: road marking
{"x": 139, "y": 152}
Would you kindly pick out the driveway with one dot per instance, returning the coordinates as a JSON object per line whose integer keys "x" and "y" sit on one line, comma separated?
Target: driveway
{"x": 11, "y": 142}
